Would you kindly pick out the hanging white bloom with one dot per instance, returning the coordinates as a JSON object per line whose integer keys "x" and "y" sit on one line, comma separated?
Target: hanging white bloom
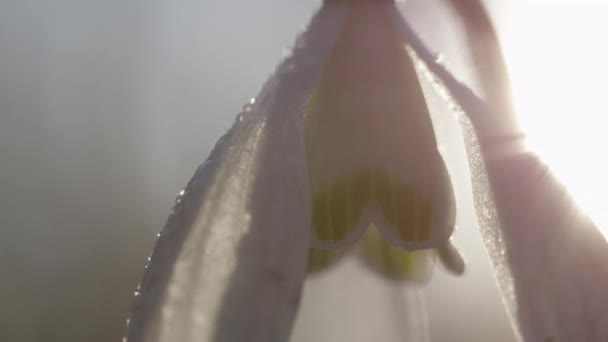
{"x": 340, "y": 147}
{"x": 372, "y": 153}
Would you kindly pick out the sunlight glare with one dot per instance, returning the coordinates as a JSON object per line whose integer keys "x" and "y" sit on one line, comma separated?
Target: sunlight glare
{"x": 558, "y": 62}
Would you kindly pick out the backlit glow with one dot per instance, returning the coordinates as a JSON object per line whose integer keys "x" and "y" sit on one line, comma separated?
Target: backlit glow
{"x": 558, "y": 63}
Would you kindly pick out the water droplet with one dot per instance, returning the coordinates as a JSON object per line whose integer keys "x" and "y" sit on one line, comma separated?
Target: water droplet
{"x": 136, "y": 293}
{"x": 439, "y": 58}
{"x": 157, "y": 235}
{"x": 180, "y": 196}
{"x": 287, "y": 53}
{"x": 486, "y": 212}
{"x": 128, "y": 320}
{"x": 247, "y": 107}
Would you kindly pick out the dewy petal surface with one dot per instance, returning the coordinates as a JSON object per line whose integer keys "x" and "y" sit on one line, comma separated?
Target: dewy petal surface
{"x": 549, "y": 258}
{"x": 370, "y": 141}
{"x": 230, "y": 262}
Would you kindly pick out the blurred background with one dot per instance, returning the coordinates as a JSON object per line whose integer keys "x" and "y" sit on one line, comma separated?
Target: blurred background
{"x": 107, "y": 108}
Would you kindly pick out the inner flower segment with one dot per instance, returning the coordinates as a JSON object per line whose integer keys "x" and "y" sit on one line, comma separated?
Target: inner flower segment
{"x": 339, "y": 208}
{"x": 371, "y": 148}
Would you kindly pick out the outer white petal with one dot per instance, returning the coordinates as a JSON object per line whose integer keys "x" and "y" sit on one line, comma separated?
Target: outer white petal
{"x": 231, "y": 260}
{"x": 549, "y": 258}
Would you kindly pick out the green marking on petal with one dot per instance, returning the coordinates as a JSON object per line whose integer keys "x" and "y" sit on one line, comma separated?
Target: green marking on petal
{"x": 404, "y": 207}
{"x": 338, "y": 207}
{"x": 391, "y": 261}
{"x": 319, "y": 259}
{"x": 360, "y": 193}
{"x": 336, "y": 211}
{"x": 320, "y": 217}
{"x": 394, "y": 262}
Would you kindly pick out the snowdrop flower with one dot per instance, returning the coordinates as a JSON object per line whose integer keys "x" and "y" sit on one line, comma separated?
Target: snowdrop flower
{"x": 340, "y": 138}
{"x": 371, "y": 149}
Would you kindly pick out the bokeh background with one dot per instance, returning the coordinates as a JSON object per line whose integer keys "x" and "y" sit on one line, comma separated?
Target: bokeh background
{"x": 108, "y": 106}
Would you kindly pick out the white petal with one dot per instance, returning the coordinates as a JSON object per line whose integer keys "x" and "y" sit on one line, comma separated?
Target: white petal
{"x": 558, "y": 258}
{"x": 231, "y": 260}
{"x": 549, "y": 258}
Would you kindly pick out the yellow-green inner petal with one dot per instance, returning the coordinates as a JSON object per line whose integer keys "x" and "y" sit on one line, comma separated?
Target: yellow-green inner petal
{"x": 394, "y": 262}
{"x": 337, "y": 210}
{"x": 320, "y": 259}
{"x": 380, "y": 256}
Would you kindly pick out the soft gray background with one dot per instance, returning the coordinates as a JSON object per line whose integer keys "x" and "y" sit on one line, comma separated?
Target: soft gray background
{"x": 106, "y": 109}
